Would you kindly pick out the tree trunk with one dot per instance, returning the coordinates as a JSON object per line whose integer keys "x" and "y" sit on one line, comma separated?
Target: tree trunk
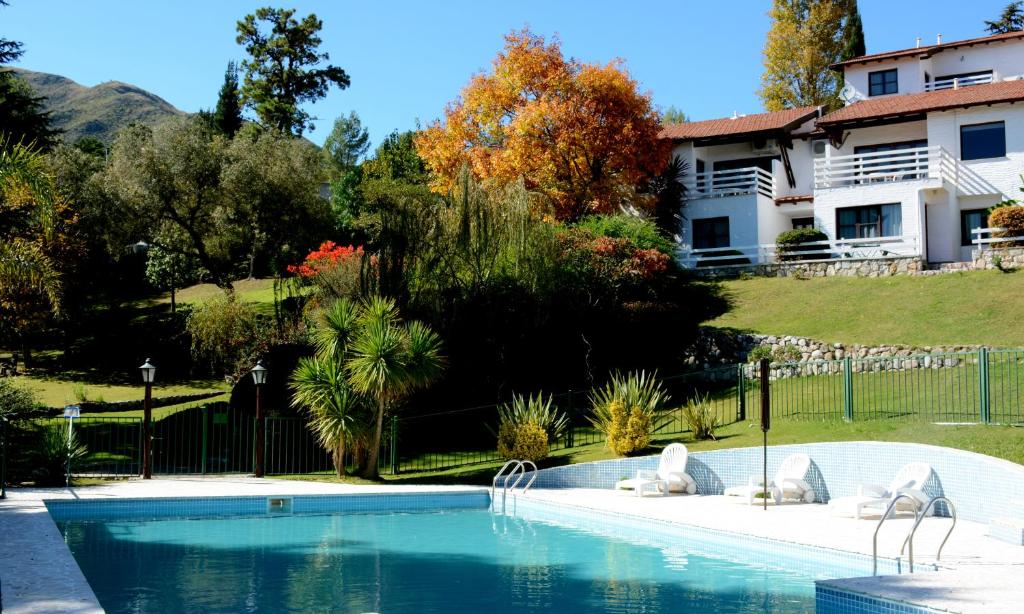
{"x": 371, "y": 471}
{"x": 339, "y": 459}
{"x": 174, "y": 306}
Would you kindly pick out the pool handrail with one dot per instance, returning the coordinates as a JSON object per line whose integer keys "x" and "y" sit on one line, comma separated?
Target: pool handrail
{"x": 913, "y": 530}
{"x": 874, "y": 540}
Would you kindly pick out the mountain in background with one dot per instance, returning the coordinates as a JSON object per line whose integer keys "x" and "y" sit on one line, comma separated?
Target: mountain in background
{"x": 98, "y": 111}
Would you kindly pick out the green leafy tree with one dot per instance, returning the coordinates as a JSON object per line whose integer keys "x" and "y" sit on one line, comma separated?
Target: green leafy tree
{"x": 396, "y": 158}
{"x": 92, "y": 146}
{"x": 227, "y": 116}
{"x": 167, "y": 182}
{"x": 672, "y": 115}
{"x": 1010, "y": 20}
{"x": 170, "y": 270}
{"x": 346, "y": 144}
{"x": 806, "y": 37}
{"x": 283, "y": 69}
{"x": 383, "y": 359}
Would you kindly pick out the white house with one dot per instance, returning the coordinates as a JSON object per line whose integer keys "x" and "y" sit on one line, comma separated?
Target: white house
{"x": 930, "y": 138}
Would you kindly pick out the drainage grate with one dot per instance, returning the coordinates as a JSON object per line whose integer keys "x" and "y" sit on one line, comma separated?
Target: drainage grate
{"x": 279, "y": 505}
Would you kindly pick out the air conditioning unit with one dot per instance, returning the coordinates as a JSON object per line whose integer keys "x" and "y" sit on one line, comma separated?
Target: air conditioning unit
{"x": 763, "y": 146}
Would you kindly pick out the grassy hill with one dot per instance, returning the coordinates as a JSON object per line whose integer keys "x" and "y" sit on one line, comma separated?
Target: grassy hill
{"x": 979, "y": 307}
{"x": 98, "y": 111}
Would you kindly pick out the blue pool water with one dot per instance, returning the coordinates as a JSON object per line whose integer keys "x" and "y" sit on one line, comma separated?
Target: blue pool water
{"x": 453, "y": 561}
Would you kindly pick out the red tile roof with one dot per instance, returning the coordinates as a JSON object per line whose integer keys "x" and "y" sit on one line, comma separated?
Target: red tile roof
{"x": 930, "y": 50}
{"x": 744, "y": 125}
{"x": 923, "y": 102}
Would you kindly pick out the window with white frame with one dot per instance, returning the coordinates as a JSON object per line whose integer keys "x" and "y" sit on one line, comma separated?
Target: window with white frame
{"x": 870, "y": 221}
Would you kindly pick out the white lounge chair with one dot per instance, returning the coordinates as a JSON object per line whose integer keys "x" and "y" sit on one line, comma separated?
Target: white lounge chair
{"x": 670, "y": 476}
{"x": 909, "y": 480}
{"x": 788, "y": 483}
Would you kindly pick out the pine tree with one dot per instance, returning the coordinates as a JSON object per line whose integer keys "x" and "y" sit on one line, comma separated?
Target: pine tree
{"x": 853, "y": 34}
{"x": 805, "y": 38}
{"x": 1011, "y": 20}
{"x": 23, "y": 115}
{"x": 227, "y": 117}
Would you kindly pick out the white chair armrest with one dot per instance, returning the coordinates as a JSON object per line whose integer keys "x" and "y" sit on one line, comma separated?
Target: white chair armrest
{"x": 919, "y": 497}
{"x": 802, "y": 485}
{"x": 756, "y": 481}
{"x": 646, "y": 474}
{"x": 872, "y": 490}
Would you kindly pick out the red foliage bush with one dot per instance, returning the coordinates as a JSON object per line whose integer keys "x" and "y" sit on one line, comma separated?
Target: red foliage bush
{"x": 326, "y": 257}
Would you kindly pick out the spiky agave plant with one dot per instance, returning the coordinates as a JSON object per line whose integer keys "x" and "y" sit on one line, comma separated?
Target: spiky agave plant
{"x": 627, "y": 410}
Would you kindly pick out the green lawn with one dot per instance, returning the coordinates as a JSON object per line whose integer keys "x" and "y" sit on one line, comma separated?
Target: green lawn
{"x": 55, "y": 391}
{"x": 1000, "y": 441}
{"x": 979, "y": 307}
{"x": 258, "y": 292}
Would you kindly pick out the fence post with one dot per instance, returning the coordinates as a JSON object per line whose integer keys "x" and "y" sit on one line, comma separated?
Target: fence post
{"x": 570, "y": 436}
{"x": 848, "y": 389}
{"x": 394, "y": 445}
{"x": 741, "y": 393}
{"x": 205, "y": 418}
{"x": 983, "y": 384}
{"x": 3, "y": 457}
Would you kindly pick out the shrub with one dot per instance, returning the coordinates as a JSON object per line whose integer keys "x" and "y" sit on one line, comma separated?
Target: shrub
{"x": 759, "y": 352}
{"x": 224, "y": 332}
{"x": 527, "y": 441}
{"x": 791, "y": 243}
{"x": 1011, "y": 220}
{"x": 784, "y": 353}
{"x": 701, "y": 418}
{"x": 52, "y": 454}
{"x": 534, "y": 410}
{"x": 627, "y": 411}
{"x": 642, "y": 232}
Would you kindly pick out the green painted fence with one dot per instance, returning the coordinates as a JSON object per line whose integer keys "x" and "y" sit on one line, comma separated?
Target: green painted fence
{"x": 985, "y": 386}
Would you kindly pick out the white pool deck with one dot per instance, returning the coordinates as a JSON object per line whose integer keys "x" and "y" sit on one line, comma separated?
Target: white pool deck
{"x": 38, "y": 573}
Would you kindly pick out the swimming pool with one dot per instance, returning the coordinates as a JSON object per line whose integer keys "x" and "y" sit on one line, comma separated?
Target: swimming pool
{"x": 433, "y": 560}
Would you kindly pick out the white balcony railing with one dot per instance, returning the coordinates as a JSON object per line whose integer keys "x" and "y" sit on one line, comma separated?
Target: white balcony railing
{"x": 883, "y": 167}
{"x": 732, "y": 182}
{"x": 839, "y": 249}
{"x": 958, "y": 82}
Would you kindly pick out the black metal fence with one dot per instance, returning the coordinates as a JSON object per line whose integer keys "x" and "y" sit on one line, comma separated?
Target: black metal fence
{"x": 986, "y": 386}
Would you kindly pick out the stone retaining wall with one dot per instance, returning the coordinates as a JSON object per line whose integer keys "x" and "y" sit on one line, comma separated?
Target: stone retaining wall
{"x": 999, "y": 258}
{"x": 873, "y": 267}
{"x": 715, "y": 347}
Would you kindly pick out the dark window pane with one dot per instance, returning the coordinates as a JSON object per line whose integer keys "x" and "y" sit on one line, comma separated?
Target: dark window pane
{"x": 870, "y": 221}
{"x": 883, "y": 82}
{"x": 711, "y": 232}
{"x": 983, "y": 141}
{"x": 969, "y": 220}
{"x": 803, "y": 222}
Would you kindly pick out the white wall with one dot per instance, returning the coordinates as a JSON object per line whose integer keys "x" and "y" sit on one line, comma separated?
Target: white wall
{"x": 1005, "y": 59}
{"x": 741, "y": 210}
{"x": 1001, "y": 173}
{"x": 894, "y": 133}
{"x": 909, "y": 76}
{"x": 908, "y": 193}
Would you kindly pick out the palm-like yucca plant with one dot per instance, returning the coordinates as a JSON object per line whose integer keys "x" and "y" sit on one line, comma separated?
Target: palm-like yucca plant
{"x": 537, "y": 410}
{"x": 319, "y": 385}
{"x": 389, "y": 359}
{"x": 628, "y": 410}
{"x": 367, "y": 361}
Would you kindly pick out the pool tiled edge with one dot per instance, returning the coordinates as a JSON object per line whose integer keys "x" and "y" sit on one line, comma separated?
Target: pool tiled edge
{"x": 829, "y": 599}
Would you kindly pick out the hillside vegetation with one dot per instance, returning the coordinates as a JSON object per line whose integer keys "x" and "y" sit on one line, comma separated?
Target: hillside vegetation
{"x": 98, "y": 111}
{"x": 978, "y": 307}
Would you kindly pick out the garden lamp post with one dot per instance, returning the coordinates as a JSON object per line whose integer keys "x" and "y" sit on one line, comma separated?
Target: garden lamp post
{"x": 259, "y": 377}
{"x": 148, "y": 373}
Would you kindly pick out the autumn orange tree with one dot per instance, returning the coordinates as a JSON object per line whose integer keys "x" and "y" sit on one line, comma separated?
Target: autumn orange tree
{"x": 580, "y": 134}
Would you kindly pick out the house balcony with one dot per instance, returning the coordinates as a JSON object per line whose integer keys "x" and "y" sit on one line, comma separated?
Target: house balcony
{"x": 833, "y": 250}
{"x": 732, "y": 182}
{"x": 932, "y": 164}
{"x": 958, "y": 82}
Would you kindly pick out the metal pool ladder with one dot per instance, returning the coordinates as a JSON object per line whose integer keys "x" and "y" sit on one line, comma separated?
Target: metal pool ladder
{"x": 910, "y": 536}
{"x": 514, "y": 468}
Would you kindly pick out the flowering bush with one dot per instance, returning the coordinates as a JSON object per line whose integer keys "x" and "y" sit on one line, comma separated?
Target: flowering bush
{"x": 614, "y": 260}
{"x": 327, "y": 256}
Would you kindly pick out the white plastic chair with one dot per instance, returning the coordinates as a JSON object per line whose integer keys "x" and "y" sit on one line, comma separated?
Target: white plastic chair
{"x": 909, "y": 480}
{"x": 788, "y": 483}
{"x": 670, "y": 476}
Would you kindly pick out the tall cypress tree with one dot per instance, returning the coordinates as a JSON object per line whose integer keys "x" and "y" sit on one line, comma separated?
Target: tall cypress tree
{"x": 853, "y": 34}
{"x": 227, "y": 117}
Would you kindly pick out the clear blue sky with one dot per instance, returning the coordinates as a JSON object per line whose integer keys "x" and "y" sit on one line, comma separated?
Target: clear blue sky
{"x": 408, "y": 59}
